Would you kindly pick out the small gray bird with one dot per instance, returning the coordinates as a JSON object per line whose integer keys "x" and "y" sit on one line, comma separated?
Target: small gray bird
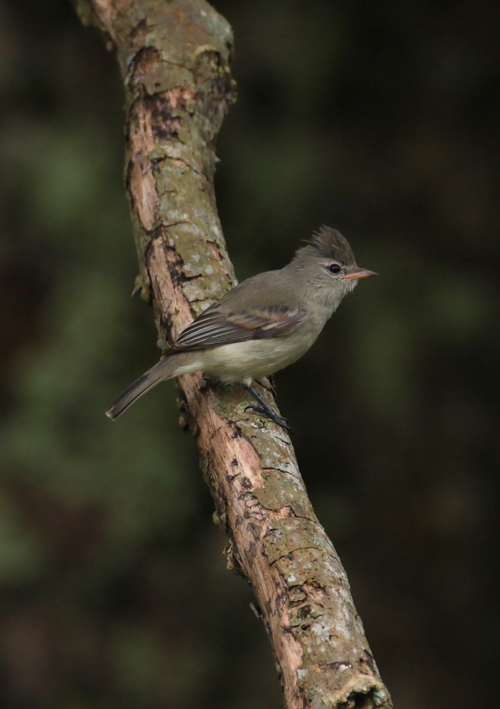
{"x": 263, "y": 324}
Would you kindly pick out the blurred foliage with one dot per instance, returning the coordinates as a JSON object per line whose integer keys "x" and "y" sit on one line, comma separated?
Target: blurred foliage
{"x": 380, "y": 119}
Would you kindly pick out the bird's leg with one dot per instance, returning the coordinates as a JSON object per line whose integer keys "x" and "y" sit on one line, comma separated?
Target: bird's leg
{"x": 266, "y": 409}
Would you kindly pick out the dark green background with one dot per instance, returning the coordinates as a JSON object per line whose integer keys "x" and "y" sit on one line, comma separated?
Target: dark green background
{"x": 381, "y": 119}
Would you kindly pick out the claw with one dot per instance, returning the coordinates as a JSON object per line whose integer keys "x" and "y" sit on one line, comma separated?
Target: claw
{"x": 270, "y": 414}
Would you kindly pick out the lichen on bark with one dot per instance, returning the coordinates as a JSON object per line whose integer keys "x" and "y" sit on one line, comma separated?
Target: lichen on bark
{"x": 174, "y": 59}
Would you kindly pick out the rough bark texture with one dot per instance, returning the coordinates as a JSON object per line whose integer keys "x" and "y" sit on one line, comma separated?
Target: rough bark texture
{"x": 174, "y": 59}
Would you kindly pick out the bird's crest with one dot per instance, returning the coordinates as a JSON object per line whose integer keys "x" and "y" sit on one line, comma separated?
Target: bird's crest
{"x": 331, "y": 244}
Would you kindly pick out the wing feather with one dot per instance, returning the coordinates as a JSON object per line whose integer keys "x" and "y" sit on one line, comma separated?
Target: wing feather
{"x": 221, "y": 326}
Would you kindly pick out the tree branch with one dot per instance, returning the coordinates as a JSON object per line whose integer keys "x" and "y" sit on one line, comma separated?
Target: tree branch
{"x": 174, "y": 59}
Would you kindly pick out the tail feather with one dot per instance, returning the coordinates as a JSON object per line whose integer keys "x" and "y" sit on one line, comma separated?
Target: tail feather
{"x": 164, "y": 369}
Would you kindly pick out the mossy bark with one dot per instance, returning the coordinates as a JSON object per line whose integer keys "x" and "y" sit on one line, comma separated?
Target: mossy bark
{"x": 174, "y": 58}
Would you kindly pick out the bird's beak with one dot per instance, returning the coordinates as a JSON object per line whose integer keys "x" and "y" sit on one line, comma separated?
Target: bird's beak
{"x": 360, "y": 273}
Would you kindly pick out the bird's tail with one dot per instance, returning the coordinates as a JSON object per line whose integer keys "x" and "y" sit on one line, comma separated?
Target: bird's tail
{"x": 164, "y": 369}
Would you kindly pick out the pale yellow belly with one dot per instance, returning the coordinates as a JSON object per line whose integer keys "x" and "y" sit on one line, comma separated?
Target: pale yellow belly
{"x": 253, "y": 359}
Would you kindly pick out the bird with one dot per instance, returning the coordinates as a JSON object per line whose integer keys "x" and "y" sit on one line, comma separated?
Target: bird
{"x": 262, "y": 325}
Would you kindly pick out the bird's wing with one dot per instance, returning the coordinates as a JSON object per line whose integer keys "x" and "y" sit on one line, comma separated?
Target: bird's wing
{"x": 222, "y": 326}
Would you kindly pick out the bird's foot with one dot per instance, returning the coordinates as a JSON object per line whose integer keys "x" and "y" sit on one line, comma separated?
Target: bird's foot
{"x": 270, "y": 414}
{"x": 265, "y": 409}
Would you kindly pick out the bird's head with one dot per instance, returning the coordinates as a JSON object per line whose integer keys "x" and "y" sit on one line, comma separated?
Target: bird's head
{"x": 329, "y": 265}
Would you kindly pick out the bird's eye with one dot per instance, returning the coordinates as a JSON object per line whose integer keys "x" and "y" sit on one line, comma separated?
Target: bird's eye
{"x": 334, "y": 268}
